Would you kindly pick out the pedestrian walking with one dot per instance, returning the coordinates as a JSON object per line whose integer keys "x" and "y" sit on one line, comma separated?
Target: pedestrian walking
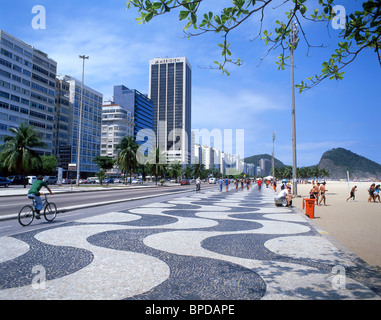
{"x": 220, "y": 183}
{"x": 248, "y": 184}
{"x": 259, "y": 183}
{"x": 322, "y": 190}
{"x": 352, "y": 193}
{"x": 376, "y": 193}
{"x": 227, "y": 184}
{"x": 236, "y": 184}
{"x": 371, "y": 192}
{"x": 198, "y": 185}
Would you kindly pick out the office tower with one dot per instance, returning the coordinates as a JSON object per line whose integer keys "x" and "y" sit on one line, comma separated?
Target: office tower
{"x": 117, "y": 123}
{"x": 141, "y": 108}
{"x": 170, "y": 88}
{"x": 91, "y": 125}
{"x": 27, "y": 89}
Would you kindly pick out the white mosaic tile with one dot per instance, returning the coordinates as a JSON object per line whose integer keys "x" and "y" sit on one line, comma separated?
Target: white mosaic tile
{"x": 11, "y": 248}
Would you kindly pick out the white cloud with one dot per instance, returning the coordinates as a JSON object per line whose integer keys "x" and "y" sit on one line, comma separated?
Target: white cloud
{"x": 234, "y": 109}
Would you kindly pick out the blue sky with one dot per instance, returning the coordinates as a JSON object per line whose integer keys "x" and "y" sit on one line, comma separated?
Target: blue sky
{"x": 254, "y": 98}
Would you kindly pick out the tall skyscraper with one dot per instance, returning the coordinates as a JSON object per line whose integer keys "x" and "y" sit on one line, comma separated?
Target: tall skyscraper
{"x": 170, "y": 88}
{"x": 27, "y": 89}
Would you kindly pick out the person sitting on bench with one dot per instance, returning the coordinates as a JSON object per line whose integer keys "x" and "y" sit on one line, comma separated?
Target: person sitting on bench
{"x": 286, "y": 195}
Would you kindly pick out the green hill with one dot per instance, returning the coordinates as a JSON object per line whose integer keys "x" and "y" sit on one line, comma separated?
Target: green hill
{"x": 339, "y": 161}
{"x": 255, "y": 160}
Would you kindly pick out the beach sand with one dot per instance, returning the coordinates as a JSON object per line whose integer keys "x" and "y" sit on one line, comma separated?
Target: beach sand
{"x": 354, "y": 224}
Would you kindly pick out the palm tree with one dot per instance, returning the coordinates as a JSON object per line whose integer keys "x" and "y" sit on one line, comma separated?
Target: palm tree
{"x": 315, "y": 172}
{"x": 17, "y": 153}
{"x": 198, "y": 170}
{"x": 157, "y": 167}
{"x": 101, "y": 175}
{"x": 175, "y": 170}
{"x": 187, "y": 172}
{"x": 126, "y": 158}
{"x": 324, "y": 173}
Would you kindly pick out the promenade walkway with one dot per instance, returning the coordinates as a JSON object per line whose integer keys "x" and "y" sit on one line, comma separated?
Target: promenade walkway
{"x": 208, "y": 246}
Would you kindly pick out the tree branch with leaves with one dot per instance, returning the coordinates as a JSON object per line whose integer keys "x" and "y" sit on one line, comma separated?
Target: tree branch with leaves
{"x": 362, "y": 29}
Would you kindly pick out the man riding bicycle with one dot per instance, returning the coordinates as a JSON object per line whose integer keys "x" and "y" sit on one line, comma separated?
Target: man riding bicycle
{"x": 34, "y": 193}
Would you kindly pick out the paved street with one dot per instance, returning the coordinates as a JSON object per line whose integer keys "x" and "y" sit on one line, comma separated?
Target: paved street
{"x": 68, "y": 198}
{"x": 203, "y": 246}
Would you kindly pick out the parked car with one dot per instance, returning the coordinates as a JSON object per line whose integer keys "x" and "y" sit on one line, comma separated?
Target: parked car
{"x": 92, "y": 180}
{"x": 50, "y": 179}
{"x": 184, "y": 182}
{"x": 4, "y": 182}
{"x": 31, "y": 179}
{"x": 136, "y": 181}
{"x": 212, "y": 180}
{"x": 18, "y": 180}
{"x": 108, "y": 180}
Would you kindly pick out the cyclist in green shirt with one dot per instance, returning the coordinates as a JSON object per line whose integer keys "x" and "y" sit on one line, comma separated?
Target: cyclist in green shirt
{"x": 34, "y": 193}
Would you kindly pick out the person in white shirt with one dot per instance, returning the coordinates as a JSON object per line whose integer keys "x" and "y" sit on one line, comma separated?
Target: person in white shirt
{"x": 285, "y": 195}
{"x": 198, "y": 184}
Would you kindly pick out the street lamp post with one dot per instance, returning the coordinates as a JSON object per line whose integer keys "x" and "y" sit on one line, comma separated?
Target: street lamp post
{"x": 293, "y": 44}
{"x": 80, "y": 121}
{"x": 273, "y": 161}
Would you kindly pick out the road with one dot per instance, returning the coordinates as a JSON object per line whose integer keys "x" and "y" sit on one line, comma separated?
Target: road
{"x": 12, "y": 205}
{"x": 78, "y": 205}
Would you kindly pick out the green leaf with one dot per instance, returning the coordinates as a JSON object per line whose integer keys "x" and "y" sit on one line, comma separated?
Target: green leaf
{"x": 303, "y": 9}
{"x": 183, "y": 15}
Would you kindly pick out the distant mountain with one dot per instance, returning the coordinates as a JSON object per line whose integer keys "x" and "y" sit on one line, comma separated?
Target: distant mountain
{"x": 339, "y": 161}
{"x": 255, "y": 160}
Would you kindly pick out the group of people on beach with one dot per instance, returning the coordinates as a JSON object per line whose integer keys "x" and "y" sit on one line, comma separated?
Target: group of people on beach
{"x": 318, "y": 190}
{"x": 374, "y": 193}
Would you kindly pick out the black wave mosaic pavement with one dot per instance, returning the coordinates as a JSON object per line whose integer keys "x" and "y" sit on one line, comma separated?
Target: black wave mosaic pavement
{"x": 229, "y": 224}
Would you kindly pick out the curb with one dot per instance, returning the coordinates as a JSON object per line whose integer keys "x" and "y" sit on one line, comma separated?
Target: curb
{"x": 73, "y": 191}
{"x": 91, "y": 205}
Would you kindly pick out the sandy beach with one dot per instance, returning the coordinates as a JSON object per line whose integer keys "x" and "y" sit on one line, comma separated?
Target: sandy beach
{"x": 354, "y": 224}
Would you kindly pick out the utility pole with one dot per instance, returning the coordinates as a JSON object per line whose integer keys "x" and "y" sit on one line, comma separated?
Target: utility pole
{"x": 273, "y": 161}
{"x": 293, "y": 44}
{"x": 80, "y": 122}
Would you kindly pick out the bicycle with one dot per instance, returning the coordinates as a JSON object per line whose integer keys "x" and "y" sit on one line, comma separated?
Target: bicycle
{"x": 28, "y": 212}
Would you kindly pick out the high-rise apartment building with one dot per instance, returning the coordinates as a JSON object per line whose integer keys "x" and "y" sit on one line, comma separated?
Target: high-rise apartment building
{"x": 170, "y": 88}
{"x": 63, "y": 133}
{"x": 27, "y": 89}
{"x": 141, "y": 108}
{"x": 91, "y": 124}
{"x": 117, "y": 123}
{"x": 265, "y": 165}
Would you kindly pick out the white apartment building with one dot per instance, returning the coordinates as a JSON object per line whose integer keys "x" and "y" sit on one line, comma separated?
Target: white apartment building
{"x": 91, "y": 124}
{"x": 117, "y": 122}
{"x": 208, "y": 157}
{"x": 27, "y": 89}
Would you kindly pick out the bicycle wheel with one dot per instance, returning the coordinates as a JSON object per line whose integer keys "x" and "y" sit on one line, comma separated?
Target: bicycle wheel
{"x": 50, "y": 212}
{"x": 26, "y": 216}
